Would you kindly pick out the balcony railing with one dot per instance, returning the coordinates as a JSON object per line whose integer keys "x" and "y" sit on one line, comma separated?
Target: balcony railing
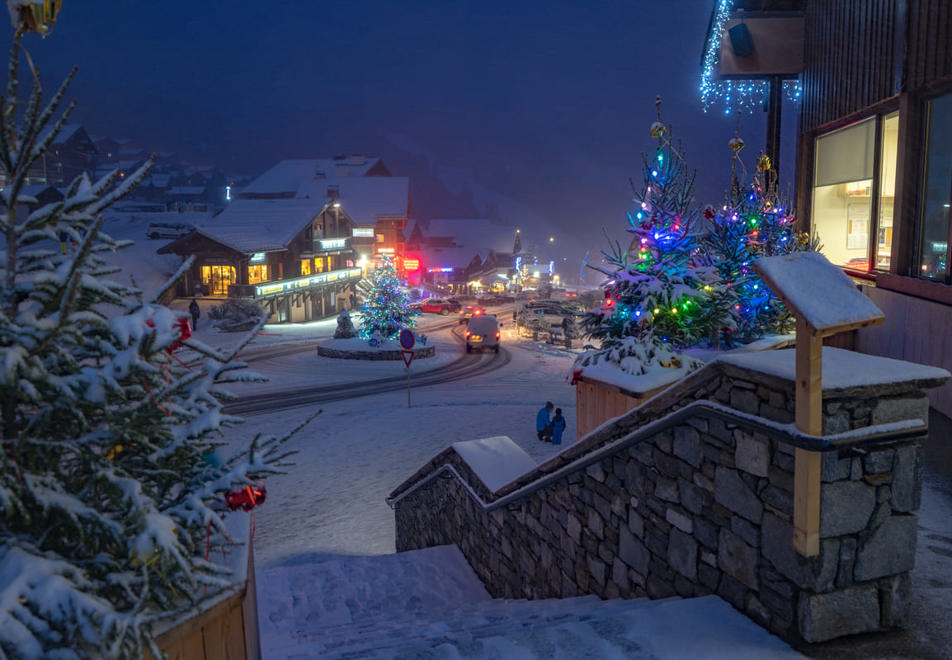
{"x": 266, "y": 289}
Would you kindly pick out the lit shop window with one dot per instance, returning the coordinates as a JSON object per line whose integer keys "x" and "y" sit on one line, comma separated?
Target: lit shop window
{"x": 305, "y": 267}
{"x": 842, "y": 193}
{"x": 217, "y": 279}
{"x": 258, "y": 274}
{"x": 936, "y": 191}
{"x": 319, "y": 265}
{"x": 887, "y": 190}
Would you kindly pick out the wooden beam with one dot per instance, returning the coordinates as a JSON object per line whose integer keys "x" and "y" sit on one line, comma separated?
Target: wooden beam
{"x": 809, "y": 419}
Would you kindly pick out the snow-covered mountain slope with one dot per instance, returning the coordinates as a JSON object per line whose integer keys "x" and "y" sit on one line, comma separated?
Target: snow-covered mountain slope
{"x": 429, "y": 603}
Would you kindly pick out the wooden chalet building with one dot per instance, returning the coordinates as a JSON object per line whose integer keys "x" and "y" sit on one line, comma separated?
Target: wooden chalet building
{"x": 291, "y": 256}
{"x": 300, "y": 255}
{"x": 874, "y": 161}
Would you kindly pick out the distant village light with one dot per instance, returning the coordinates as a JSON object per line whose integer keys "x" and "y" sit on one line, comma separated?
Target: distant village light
{"x": 227, "y": 193}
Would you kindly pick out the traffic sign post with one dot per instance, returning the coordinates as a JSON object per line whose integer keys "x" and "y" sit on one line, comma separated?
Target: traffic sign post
{"x": 407, "y": 340}
{"x": 407, "y": 359}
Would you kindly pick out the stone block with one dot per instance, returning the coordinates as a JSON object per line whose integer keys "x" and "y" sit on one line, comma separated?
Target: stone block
{"x": 774, "y": 413}
{"x": 907, "y": 479}
{"x": 690, "y": 496}
{"x": 749, "y": 532}
{"x": 781, "y": 500}
{"x": 849, "y": 611}
{"x": 666, "y": 489}
{"x": 633, "y": 552}
{"x": 658, "y": 588}
{"x": 705, "y": 532}
{"x": 679, "y": 520}
{"x": 751, "y": 453}
{"x": 813, "y": 573}
{"x": 595, "y": 524}
{"x": 835, "y": 468}
{"x": 731, "y": 492}
{"x": 890, "y": 550}
{"x": 737, "y": 559}
{"x": 596, "y": 569}
{"x": 744, "y": 400}
{"x": 844, "y": 568}
{"x": 687, "y": 445}
{"x": 708, "y": 576}
{"x": 783, "y": 608}
{"x": 757, "y": 611}
{"x": 878, "y": 461}
{"x": 894, "y": 598}
{"x": 682, "y": 553}
{"x": 733, "y": 591}
{"x": 602, "y": 506}
{"x": 574, "y": 528}
{"x": 620, "y": 574}
{"x": 596, "y": 472}
{"x": 836, "y": 423}
{"x": 845, "y": 507}
{"x": 895, "y": 410}
{"x": 636, "y": 523}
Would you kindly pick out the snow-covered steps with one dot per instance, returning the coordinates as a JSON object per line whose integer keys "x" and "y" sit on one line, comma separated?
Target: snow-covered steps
{"x": 429, "y": 603}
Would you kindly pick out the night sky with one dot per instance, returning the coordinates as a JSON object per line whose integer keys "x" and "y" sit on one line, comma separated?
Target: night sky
{"x": 547, "y": 103}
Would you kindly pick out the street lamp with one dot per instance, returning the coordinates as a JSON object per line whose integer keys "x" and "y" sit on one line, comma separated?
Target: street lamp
{"x": 551, "y": 239}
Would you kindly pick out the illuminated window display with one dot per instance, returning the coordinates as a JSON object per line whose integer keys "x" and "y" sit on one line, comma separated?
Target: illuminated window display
{"x": 936, "y": 191}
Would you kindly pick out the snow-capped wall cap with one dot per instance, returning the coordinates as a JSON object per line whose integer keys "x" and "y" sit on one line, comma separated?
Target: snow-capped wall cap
{"x": 639, "y": 386}
{"x": 818, "y": 291}
{"x": 842, "y": 369}
{"x": 496, "y": 461}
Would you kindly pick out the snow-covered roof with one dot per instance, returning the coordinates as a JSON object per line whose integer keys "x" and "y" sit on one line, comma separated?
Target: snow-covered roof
{"x": 456, "y": 258}
{"x": 364, "y": 199}
{"x": 817, "y": 290}
{"x": 260, "y": 225}
{"x": 66, "y": 133}
{"x": 289, "y": 175}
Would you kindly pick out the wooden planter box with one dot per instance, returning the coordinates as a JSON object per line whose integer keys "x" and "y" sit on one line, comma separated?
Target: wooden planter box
{"x": 597, "y": 402}
{"x": 227, "y": 629}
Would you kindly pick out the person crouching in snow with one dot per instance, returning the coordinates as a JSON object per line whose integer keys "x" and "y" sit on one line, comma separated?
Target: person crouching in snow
{"x": 194, "y": 310}
{"x": 558, "y": 426}
{"x": 543, "y": 431}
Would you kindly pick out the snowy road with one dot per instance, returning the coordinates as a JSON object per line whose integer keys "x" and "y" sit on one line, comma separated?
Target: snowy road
{"x": 465, "y": 366}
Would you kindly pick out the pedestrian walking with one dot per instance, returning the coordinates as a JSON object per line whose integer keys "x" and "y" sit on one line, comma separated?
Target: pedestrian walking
{"x": 558, "y": 426}
{"x": 195, "y": 311}
{"x": 543, "y": 427}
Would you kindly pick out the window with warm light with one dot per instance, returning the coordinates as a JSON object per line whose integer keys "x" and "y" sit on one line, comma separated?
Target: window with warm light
{"x": 853, "y": 200}
{"x": 305, "y": 267}
{"x": 934, "y": 229}
{"x": 217, "y": 279}
{"x": 258, "y": 274}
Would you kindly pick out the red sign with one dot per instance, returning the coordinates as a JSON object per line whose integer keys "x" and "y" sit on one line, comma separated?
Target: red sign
{"x": 407, "y": 358}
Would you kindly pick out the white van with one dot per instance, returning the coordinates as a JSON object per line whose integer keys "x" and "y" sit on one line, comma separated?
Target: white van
{"x": 482, "y": 332}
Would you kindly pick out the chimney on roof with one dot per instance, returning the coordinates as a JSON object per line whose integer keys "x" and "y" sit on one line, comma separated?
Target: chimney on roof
{"x": 358, "y": 159}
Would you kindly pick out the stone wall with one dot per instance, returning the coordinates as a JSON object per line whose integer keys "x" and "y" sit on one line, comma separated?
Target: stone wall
{"x": 700, "y": 507}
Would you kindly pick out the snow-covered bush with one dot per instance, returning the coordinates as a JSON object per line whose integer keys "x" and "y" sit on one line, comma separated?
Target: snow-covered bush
{"x": 345, "y": 327}
{"x": 106, "y": 502}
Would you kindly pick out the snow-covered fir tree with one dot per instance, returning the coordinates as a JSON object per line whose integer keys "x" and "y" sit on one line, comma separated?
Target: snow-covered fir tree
{"x": 386, "y": 310}
{"x": 107, "y": 501}
{"x": 657, "y": 294}
{"x": 345, "y": 327}
{"x": 753, "y": 222}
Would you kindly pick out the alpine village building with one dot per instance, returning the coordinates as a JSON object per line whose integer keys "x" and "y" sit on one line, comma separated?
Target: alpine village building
{"x": 299, "y": 238}
{"x": 874, "y": 157}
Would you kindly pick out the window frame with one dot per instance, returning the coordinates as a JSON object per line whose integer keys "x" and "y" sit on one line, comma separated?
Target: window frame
{"x": 926, "y": 114}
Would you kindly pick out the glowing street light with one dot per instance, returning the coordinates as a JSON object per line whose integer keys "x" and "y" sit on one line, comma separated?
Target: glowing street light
{"x": 551, "y": 239}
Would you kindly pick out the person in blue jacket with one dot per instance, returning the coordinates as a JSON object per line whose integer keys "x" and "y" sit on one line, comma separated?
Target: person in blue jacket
{"x": 558, "y": 426}
{"x": 543, "y": 430}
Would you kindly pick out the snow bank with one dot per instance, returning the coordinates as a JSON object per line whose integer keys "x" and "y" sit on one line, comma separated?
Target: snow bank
{"x": 496, "y": 461}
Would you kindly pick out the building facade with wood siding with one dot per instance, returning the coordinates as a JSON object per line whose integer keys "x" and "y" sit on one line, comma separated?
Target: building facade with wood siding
{"x": 874, "y": 164}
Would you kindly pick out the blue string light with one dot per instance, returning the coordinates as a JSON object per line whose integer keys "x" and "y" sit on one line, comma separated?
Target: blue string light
{"x": 735, "y": 94}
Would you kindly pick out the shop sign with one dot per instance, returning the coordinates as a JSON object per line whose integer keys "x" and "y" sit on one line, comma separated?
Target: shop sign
{"x": 284, "y": 286}
{"x": 363, "y": 232}
{"x": 259, "y": 257}
{"x": 333, "y": 243}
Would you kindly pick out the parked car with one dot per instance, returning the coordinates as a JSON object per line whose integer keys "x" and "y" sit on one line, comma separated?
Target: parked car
{"x": 468, "y": 311}
{"x": 168, "y": 229}
{"x": 443, "y": 306}
{"x": 482, "y": 332}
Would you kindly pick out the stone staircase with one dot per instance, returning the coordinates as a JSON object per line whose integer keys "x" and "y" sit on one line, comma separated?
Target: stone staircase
{"x": 429, "y": 604}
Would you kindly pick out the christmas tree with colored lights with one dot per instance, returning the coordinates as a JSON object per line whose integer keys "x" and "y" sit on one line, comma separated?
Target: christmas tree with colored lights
{"x": 386, "y": 312}
{"x": 658, "y": 294}
{"x": 753, "y": 222}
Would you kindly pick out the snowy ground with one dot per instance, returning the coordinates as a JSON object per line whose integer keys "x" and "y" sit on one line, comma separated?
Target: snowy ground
{"x": 331, "y": 503}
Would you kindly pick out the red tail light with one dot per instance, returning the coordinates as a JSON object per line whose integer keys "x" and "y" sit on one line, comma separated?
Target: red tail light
{"x": 497, "y": 335}
{"x": 478, "y": 312}
{"x": 468, "y": 333}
